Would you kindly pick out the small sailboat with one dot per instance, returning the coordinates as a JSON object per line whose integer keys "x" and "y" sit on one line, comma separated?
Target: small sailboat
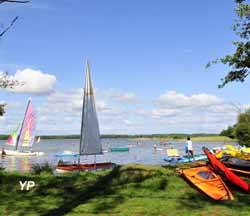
{"x": 25, "y": 136}
{"x": 90, "y": 141}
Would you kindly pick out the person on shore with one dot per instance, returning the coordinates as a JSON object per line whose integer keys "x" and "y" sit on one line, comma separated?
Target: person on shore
{"x": 3, "y": 152}
{"x": 155, "y": 147}
{"x": 189, "y": 145}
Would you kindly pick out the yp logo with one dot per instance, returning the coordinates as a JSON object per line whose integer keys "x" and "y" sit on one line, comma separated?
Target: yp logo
{"x": 27, "y": 185}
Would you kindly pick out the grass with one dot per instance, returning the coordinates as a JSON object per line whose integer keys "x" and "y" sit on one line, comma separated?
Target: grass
{"x": 136, "y": 190}
{"x": 212, "y": 139}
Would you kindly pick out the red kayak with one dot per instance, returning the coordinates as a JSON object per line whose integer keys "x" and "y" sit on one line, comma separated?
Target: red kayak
{"x": 221, "y": 169}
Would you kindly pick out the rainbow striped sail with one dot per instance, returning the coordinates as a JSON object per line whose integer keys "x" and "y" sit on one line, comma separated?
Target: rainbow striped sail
{"x": 27, "y": 134}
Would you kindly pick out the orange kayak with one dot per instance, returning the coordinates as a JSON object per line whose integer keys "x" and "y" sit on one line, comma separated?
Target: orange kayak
{"x": 208, "y": 182}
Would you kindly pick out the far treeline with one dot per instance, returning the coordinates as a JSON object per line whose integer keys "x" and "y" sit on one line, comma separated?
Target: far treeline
{"x": 116, "y": 136}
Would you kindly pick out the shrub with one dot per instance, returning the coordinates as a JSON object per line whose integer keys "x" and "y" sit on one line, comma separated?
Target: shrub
{"x": 39, "y": 168}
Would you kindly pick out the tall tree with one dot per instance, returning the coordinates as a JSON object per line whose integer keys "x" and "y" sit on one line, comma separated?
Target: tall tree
{"x": 239, "y": 61}
{"x": 5, "y": 80}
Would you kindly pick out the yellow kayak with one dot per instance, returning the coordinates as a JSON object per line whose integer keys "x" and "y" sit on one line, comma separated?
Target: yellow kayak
{"x": 243, "y": 154}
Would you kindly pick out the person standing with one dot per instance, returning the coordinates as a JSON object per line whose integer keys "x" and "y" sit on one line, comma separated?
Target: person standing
{"x": 190, "y": 151}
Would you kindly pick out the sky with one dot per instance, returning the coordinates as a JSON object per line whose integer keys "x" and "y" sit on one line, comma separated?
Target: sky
{"x": 147, "y": 60}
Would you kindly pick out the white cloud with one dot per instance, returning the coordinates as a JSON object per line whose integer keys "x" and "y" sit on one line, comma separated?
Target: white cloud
{"x": 33, "y": 82}
{"x": 172, "y": 99}
{"x": 119, "y": 96}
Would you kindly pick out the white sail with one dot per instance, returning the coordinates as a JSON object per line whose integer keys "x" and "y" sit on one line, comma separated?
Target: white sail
{"x": 90, "y": 142}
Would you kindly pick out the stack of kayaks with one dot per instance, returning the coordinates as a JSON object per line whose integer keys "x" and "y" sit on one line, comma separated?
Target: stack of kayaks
{"x": 221, "y": 169}
{"x": 207, "y": 179}
{"x": 243, "y": 153}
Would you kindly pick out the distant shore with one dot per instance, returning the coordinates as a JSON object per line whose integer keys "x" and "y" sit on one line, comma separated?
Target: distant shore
{"x": 161, "y": 137}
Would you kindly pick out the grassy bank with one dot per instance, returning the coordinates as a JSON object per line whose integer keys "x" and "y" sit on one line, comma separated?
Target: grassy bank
{"x": 214, "y": 138}
{"x": 127, "y": 190}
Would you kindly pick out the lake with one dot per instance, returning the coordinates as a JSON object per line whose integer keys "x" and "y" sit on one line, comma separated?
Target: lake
{"x": 140, "y": 152}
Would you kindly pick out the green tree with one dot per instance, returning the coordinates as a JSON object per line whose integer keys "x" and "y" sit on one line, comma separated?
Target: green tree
{"x": 239, "y": 61}
{"x": 242, "y": 130}
{"x": 229, "y": 132}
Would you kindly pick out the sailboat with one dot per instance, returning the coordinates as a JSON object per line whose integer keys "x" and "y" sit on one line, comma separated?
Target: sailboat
{"x": 90, "y": 141}
{"x": 25, "y": 136}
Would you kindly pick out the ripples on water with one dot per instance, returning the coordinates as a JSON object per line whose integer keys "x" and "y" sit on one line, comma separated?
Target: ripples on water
{"x": 140, "y": 152}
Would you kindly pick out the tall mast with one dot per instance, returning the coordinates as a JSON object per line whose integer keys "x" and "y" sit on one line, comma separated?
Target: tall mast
{"x": 83, "y": 102}
{"x": 18, "y": 137}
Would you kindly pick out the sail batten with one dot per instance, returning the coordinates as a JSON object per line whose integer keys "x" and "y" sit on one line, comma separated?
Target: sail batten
{"x": 90, "y": 142}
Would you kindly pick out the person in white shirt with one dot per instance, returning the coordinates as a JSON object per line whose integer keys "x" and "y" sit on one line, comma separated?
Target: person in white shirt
{"x": 190, "y": 148}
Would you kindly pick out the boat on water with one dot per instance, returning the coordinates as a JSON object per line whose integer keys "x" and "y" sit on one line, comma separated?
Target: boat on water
{"x": 90, "y": 141}
{"x": 222, "y": 170}
{"x": 205, "y": 180}
{"x": 24, "y": 137}
{"x": 67, "y": 154}
{"x": 119, "y": 149}
{"x": 172, "y": 152}
{"x": 185, "y": 159}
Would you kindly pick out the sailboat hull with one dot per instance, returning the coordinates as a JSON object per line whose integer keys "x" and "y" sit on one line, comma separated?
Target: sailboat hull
{"x": 23, "y": 153}
{"x": 83, "y": 167}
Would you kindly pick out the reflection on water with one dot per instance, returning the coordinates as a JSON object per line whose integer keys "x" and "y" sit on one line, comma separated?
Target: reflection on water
{"x": 145, "y": 152}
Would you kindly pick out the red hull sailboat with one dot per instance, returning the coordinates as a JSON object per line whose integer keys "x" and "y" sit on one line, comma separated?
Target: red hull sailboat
{"x": 90, "y": 141}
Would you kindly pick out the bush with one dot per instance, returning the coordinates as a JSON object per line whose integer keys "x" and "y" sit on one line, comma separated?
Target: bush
{"x": 229, "y": 132}
{"x": 39, "y": 168}
{"x": 242, "y": 132}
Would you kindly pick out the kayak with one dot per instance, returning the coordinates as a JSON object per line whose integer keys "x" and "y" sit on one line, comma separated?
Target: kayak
{"x": 67, "y": 154}
{"x": 66, "y": 168}
{"x": 221, "y": 169}
{"x": 185, "y": 159}
{"x": 208, "y": 182}
{"x": 172, "y": 152}
{"x": 123, "y": 149}
{"x": 22, "y": 153}
{"x": 236, "y": 163}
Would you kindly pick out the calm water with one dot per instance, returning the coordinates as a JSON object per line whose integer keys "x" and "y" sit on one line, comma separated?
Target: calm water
{"x": 140, "y": 152}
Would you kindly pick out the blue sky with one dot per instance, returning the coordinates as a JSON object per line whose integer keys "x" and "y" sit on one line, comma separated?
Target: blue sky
{"x": 147, "y": 57}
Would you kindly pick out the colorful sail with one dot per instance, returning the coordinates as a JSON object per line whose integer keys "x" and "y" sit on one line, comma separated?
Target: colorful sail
{"x": 27, "y": 132}
{"x": 90, "y": 143}
{"x": 12, "y": 139}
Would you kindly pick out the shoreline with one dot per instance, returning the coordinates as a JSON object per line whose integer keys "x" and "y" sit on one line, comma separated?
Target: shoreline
{"x": 194, "y": 138}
